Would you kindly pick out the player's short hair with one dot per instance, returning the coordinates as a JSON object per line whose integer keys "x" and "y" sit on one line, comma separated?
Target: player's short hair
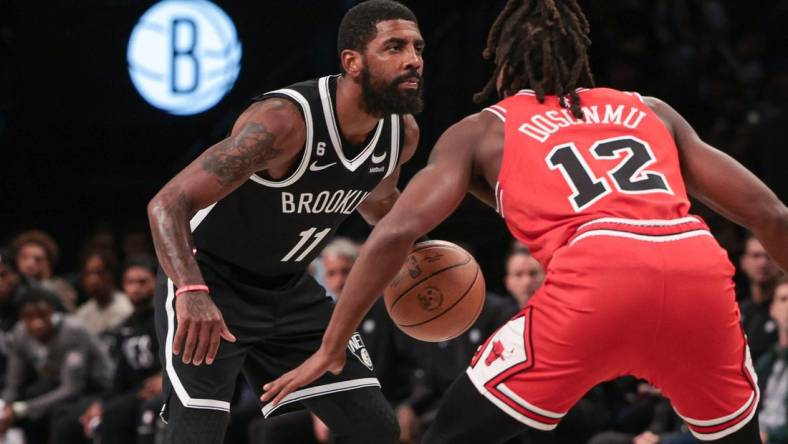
{"x": 541, "y": 45}
{"x": 341, "y": 247}
{"x": 358, "y": 26}
{"x": 41, "y": 239}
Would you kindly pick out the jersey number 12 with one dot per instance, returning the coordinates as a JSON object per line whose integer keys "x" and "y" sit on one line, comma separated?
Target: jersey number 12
{"x": 629, "y": 176}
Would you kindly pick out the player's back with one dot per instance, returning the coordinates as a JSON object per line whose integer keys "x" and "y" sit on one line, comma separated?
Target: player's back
{"x": 617, "y": 164}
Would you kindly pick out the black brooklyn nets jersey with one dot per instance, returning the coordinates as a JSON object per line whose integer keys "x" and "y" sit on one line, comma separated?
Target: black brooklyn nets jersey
{"x": 275, "y": 228}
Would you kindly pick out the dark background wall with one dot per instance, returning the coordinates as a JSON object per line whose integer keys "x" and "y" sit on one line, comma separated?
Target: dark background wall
{"x": 80, "y": 150}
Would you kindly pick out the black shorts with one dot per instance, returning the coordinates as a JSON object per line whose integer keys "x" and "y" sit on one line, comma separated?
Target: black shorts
{"x": 275, "y": 330}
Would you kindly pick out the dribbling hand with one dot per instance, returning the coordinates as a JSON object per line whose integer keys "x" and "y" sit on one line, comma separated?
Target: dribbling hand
{"x": 314, "y": 367}
{"x": 200, "y": 328}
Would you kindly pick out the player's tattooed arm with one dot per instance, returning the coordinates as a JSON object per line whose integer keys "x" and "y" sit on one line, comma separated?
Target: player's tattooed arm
{"x": 267, "y": 135}
{"x": 382, "y": 198}
{"x": 233, "y": 158}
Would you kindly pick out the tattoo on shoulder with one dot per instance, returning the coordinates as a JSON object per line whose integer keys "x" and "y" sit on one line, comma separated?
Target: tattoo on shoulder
{"x": 238, "y": 156}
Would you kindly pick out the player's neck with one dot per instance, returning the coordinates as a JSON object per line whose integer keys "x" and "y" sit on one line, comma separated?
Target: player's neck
{"x": 353, "y": 121}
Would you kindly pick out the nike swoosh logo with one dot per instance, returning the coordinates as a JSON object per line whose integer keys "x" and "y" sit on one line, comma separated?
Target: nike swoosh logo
{"x": 315, "y": 167}
{"x": 378, "y": 159}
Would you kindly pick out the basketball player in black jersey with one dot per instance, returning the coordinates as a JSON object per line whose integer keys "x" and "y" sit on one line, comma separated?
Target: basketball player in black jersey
{"x": 236, "y": 229}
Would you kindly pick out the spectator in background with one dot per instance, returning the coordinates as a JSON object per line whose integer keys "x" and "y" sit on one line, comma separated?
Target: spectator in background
{"x": 125, "y": 414}
{"x": 338, "y": 257}
{"x": 53, "y": 363}
{"x": 11, "y": 284}
{"x": 523, "y": 274}
{"x": 762, "y": 273}
{"x": 136, "y": 243}
{"x": 106, "y": 307}
{"x": 772, "y": 370}
{"x": 36, "y": 254}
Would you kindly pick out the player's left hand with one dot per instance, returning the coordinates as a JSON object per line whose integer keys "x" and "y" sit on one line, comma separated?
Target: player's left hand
{"x": 314, "y": 367}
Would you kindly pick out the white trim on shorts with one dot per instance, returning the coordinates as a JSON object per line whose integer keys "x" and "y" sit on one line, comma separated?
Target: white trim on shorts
{"x": 641, "y": 237}
{"x": 641, "y": 222}
{"x": 510, "y": 411}
{"x": 754, "y": 398}
{"x": 177, "y": 385}
{"x": 321, "y": 390}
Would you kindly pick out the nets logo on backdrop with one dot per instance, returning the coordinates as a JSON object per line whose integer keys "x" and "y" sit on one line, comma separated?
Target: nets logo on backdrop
{"x": 184, "y": 55}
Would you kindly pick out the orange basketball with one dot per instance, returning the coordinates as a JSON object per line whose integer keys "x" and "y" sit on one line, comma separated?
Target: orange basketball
{"x": 438, "y": 293}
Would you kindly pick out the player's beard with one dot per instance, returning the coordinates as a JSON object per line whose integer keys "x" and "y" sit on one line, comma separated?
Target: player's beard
{"x": 382, "y": 98}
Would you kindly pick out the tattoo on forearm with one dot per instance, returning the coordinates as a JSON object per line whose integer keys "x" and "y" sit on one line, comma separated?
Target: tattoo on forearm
{"x": 170, "y": 229}
{"x": 240, "y": 156}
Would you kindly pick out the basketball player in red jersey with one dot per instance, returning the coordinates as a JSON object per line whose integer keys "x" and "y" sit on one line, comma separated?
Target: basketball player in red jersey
{"x": 594, "y": 181}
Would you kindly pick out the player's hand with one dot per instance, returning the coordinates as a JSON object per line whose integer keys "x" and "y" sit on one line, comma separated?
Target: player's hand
{"x": 200, "y": 328}
{"x": 320, "y": 362}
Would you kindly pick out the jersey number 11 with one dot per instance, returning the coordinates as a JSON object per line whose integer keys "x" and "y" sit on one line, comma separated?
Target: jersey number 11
{"x": 306, "y": 235}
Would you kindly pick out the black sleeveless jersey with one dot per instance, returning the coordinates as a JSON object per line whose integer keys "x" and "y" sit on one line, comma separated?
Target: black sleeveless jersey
{"x": 274, "y": 228}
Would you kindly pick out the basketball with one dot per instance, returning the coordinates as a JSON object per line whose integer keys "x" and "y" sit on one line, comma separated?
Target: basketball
{"x": 438, "y": 293}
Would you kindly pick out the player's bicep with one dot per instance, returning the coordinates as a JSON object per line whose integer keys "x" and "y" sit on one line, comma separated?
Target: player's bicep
{"x": 264, "y": 137}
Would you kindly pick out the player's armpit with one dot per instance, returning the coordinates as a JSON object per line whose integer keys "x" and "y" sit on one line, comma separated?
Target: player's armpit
{"x": 723, "y": 184}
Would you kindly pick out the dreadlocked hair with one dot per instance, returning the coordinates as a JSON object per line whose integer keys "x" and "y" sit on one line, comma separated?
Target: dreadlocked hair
{"x": 543, "y": 45}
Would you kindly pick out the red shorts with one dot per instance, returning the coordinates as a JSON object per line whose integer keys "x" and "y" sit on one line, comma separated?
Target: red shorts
{"x": 656, "y": 302}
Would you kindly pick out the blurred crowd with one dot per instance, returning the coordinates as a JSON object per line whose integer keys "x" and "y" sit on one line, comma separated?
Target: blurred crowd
{"x": 79, "y": 357}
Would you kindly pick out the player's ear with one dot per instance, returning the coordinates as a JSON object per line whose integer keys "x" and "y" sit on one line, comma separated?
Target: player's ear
{"x": 352, "y": 62}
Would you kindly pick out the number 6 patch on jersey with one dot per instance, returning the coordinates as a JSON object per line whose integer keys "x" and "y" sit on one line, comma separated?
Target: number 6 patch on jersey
{"x": 507, "y": 351}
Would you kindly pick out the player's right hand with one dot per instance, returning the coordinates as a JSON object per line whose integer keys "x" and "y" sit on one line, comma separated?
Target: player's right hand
{"x": 200, "y": 328}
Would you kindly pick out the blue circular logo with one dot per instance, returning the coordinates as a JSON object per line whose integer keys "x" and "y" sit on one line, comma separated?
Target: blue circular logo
{"x": 184, "y": 56}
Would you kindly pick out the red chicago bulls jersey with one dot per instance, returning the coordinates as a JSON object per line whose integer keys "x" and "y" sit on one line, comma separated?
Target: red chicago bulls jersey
{"x": 559, "y": 172}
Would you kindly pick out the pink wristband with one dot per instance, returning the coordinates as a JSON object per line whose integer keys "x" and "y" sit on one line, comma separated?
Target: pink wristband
{"x": 188, "y": 288}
